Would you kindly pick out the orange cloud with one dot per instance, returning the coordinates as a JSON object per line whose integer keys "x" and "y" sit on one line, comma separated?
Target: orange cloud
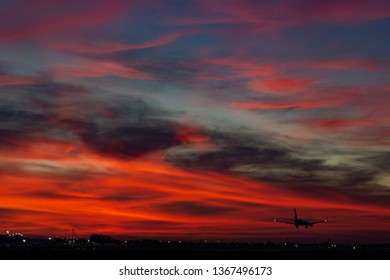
{"x": 147, "y": 197}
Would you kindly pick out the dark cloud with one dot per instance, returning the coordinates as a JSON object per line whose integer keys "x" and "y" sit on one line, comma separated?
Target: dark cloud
{"x": 244, "y": 153}
{"x": 118, "y": 127}
{"x": 132, "y": 195}
{"x": 260, "y": 157}
{"x": 190, "y": 70}
{"x": 126, "y": 127}
{"x": 194, "y": 208}
{"x": 381, "y": 161}
{"x": 132, "y": 132}
{"x": 234, "y": 156}
{"x": 21, "y": 127}
{"x": 10, "y": 212}
{"x": 54, "y": 195}
{"x": 27, "y": 113}
{"x": 152, "y": 225}
{"x": 131, "y": 141}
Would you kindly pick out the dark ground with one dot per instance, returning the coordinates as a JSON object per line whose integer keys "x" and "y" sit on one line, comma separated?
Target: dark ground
{"x": 153, "y": 249}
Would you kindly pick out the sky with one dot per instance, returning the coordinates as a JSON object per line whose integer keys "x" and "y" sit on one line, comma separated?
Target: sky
{"x": 195, "y": 119}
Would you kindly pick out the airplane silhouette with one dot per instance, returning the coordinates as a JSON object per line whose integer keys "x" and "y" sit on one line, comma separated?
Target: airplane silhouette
{"x": 299, "y": 222}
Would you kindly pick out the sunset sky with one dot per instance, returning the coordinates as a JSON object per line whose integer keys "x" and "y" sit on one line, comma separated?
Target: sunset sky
{"x": 195, "y": 119}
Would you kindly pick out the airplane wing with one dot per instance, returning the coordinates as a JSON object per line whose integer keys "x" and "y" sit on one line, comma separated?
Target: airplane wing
{"x": 286, "y": 221}
{"x": 317, "y": 222}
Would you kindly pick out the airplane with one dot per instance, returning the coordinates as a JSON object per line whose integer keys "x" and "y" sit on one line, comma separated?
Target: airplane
{"x": 299, "y": 222}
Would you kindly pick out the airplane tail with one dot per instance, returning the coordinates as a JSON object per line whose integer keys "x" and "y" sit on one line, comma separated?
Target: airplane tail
{"x": 295, "y": 213}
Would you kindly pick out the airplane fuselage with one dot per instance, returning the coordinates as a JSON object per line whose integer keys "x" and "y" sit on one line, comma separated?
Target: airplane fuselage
{"x": 303, "y": 223}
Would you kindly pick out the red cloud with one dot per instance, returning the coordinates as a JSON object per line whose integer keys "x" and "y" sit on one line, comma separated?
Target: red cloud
{"x": 259, "y": 16}
{"x": 335, "y": 123}
{"x": 7, "y": 79}
{"x": 243, "y": 67}
{"x": 345, "y": 11}
{"x": 36, "y": 18}
{"x": 351, "y": 65}
{"x": 282, "y": 84}
{"x": 107, "y": 47}
{"x": 274, "y": 77}
{"x": 343, "y": 122}
{"x": 189, "y": 135}
{"x": 106, "y": 195}
{"x": 86, "y": 68}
